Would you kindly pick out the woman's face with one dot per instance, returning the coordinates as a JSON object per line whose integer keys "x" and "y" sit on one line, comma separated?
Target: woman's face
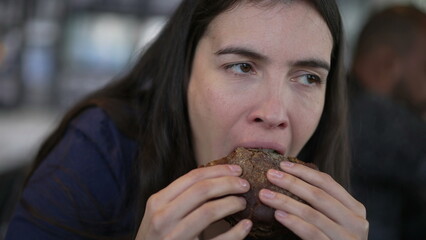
{"x": 259, "y": 79}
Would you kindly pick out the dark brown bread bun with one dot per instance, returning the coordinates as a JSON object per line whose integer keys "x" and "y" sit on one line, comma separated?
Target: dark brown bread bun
{"x": 255, "y": 163}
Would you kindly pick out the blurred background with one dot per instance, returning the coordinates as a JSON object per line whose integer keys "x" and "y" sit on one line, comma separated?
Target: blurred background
{"x": 52, "y": 52}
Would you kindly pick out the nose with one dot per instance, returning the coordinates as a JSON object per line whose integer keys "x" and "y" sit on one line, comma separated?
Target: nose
{"x": 271, "y": 110}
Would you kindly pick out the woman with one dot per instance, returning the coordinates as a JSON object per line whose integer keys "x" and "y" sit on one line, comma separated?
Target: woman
{"x": 222, "y": 74}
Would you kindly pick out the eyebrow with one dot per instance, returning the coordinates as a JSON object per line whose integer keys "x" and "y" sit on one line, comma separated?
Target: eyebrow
{"x": 243, "y": 52}
{"x": 312, "y": 63}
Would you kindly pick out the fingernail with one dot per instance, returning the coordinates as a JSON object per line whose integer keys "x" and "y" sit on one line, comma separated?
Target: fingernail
{"x": 267, "y": 193}
{"x": 235, "y": 168}
{"x": 285, "y": 164}
{"x": 276, "y": 174}
{"x": 280, "y": 214}
{"x": 244, "y": 183}
{"x": 247, "y": 225}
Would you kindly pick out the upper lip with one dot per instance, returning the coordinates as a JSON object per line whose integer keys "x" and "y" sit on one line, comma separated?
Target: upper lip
{"x": 264, "y": 145}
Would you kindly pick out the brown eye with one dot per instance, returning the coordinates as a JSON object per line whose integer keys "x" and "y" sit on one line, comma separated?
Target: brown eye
{"x": 245, "y": 68}
{"x": 308, "y": 79}
{"x": 241, "y": 68}
{"x": 312, "y": 79}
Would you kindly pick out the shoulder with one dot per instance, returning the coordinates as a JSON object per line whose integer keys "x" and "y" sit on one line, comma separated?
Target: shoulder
{"x": 84, "y": 182}
{"x": 94, "y": 149}
{"x": 97, "y": 127}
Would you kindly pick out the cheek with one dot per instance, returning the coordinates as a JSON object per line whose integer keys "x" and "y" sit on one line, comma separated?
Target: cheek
{"x": 212, "y": 115}
{"x": 305, "y": 118}
{"x": 310, "y": 122}
{"x": 207, "y": 106}
{"x": 214, "y": 102}
{"x": 309, "y": 107}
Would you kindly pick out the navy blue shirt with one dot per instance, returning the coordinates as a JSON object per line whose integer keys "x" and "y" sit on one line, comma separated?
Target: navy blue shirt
{"x": 82, "y": 185}
{"x": 388, "y": 166}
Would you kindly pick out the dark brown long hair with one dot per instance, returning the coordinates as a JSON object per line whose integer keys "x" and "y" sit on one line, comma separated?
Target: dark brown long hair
{"x": 150, "y": 105}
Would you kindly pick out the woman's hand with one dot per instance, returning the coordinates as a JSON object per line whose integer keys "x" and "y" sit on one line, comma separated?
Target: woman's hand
{"x": 191, "y": 203}
{"x": 333, "y": 213}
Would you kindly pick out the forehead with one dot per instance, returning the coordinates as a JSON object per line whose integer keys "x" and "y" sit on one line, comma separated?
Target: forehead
{"x": 296, "y": 24}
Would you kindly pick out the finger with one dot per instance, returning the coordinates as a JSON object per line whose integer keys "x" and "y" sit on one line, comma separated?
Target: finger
{"x": 327, "y": 183}
{"x": 319, "y": 199}
{"x": 199, "y": 193}
{"x": 181, "y": 184}
{"x": 299, "y": 227}
{"x": 304, "y": 212}
{"x": 239, "y": 231}
{"x": 193, "y": 224}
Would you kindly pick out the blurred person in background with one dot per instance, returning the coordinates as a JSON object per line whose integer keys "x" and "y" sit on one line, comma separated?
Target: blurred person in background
{"x": 390, "y": 57}
{"x": 222, "y": 74}
{"x": 388, "y": 137}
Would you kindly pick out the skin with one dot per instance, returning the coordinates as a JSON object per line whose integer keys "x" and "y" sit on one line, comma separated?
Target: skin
{"x": 258, "y": 80}
{"x": 273, "y": 104}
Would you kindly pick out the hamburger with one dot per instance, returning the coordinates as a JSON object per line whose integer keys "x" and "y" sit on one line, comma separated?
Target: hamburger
{"x": 255, "y": 163}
